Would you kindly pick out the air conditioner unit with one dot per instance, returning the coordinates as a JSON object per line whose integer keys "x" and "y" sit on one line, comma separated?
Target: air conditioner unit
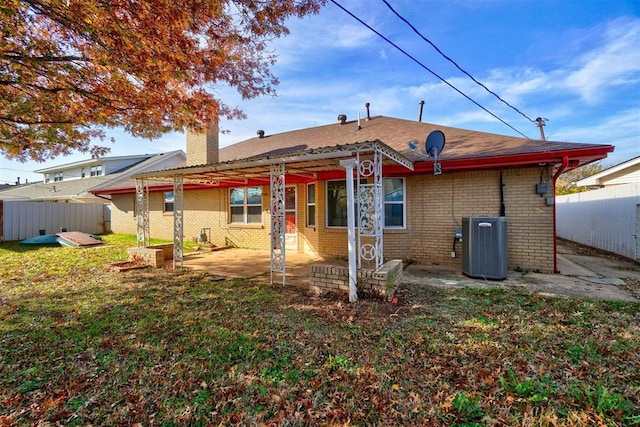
{"x": 484, "y": 247}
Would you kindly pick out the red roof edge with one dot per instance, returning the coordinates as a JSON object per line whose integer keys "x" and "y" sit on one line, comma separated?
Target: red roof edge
{"x": 578, "y": 156}
{"x": 575, "y": 156}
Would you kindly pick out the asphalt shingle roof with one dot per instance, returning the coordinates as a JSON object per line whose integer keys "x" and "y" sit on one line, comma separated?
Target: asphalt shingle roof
{"x": 396, "y": 133}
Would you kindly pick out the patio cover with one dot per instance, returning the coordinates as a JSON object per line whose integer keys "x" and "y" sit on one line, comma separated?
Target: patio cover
{"x": 368, "y": 158}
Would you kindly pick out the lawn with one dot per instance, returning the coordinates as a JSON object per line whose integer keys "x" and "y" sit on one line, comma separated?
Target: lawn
{"x": 81, "y": 344}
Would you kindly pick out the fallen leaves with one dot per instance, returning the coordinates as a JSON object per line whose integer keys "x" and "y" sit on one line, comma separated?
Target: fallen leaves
{"x": 177, "y": 348}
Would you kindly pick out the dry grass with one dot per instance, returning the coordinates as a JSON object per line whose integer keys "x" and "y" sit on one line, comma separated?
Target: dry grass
{"x": 81, "y": 344}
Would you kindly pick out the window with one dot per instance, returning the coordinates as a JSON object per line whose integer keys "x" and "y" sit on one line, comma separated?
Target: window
{"x": 393, "y": 202}
{"x": 168, "y": 201}
{"x": 47, "y": 177}
{"x": 57, "y": 176}
{"x": 246, "y": 205}
{"x": 96, "y": 170}
{"x": 337, "y": 202}
{"x": 311, "y": 205}
{"x": 84, "y": 173}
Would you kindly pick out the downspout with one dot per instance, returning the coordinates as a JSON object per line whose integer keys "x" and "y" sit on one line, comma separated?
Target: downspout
{"x": 563, "y": 166}
{"x": 503, "y": 210}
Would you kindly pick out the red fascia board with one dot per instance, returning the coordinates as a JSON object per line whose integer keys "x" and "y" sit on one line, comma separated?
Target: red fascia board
{"x": 510, "y": 161}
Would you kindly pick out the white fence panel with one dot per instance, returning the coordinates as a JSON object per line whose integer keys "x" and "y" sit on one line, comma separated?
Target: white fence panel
{"x": 605, "y": 219}
{"x": 25, "y": 219}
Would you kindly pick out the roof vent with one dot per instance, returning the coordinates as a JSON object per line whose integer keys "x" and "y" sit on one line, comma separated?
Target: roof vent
{"x": 260, "y": 133}
{"x": 342, "y": 118}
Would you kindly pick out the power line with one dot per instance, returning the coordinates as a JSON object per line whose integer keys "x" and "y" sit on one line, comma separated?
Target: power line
{"x": 16, "y": 170}
{"x": 426, "y": 68}
{"x": 455, "y": 64}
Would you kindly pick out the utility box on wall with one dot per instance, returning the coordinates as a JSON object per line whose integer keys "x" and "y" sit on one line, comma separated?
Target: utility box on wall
{"x": 484, "y": 247}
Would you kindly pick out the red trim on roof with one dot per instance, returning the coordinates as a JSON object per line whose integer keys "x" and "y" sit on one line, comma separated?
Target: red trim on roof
{"x": 583, "y": 155}
{"x": 576, "y": 157}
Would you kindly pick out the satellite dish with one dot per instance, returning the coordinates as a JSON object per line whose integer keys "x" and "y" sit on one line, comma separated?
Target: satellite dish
{"x": 434, "y": 146}
{"x": 434, "y": 143}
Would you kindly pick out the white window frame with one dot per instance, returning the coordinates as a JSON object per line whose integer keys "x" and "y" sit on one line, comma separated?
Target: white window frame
{"x": 245, "y": 206}
{"x": 394, "y": 202}
{"x": 312, "y": 204}
{"x": 168, "y": 199}
{"x": 96, "y": 170}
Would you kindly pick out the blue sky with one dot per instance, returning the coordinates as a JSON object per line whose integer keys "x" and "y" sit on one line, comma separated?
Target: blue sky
{"x": 574, "y": 62}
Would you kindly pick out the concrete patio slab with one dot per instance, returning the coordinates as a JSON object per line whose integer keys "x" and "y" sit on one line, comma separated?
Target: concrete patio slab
{"x": 582, "y": 275}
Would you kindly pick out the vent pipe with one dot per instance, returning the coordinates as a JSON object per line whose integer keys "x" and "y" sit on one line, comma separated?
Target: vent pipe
{"x": 420, "y": 113}
{"x": 342, "y": 118}
{"x": 367, "y": 107}
{"x": 260, "y": 133}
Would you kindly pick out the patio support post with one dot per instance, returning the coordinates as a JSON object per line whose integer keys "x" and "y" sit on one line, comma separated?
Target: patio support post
{"x": 178, "y": 226}
{"x": 278, "y": 252}
{"x": 370, "y": 210}
{"x": 349, "y": 164}
{"x": 142, "y": 212}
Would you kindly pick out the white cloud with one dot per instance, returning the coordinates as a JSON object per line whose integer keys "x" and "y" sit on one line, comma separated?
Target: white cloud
{"x": 616, "y": 62}
{"x": 348, "y": 36}
{"x": 621, "y": 130}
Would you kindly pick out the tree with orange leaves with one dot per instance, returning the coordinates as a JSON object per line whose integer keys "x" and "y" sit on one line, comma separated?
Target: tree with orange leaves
{"x": 71, "y": 68}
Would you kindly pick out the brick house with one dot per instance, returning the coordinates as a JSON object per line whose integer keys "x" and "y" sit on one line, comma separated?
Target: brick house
{"x": 293, "y": 187}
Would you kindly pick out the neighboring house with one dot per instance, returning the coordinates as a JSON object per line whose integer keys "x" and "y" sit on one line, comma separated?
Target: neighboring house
{"x": 623, "y": 173}
{"x": 63, "y": 199}
{"x": 72, "y": 182}
{"x": 608, "y": 216}
{"x": 294, "y": 187}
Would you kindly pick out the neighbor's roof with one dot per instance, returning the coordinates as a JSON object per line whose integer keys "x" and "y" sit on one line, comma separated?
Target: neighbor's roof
{"x": 79, "y": 189}
{"x": 71, "y": 190}
{"x": 162, "y": 161}
{"x": 97, "y": 160}
{"x": 622, "y": 173}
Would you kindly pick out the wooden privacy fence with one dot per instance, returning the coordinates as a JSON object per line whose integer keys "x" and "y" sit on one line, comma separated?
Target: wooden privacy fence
{"x": 607, "y": 219}
{"x": 20, "y": 220}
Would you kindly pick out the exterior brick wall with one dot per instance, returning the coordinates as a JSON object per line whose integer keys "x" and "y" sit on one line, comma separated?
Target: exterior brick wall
{"x": 331, "y": 278}
{"x": 153, "y": 257}
{"x": 435, "y": 207}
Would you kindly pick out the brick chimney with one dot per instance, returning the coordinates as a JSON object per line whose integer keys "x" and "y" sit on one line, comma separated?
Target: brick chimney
{"x": 202, "y": 147}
